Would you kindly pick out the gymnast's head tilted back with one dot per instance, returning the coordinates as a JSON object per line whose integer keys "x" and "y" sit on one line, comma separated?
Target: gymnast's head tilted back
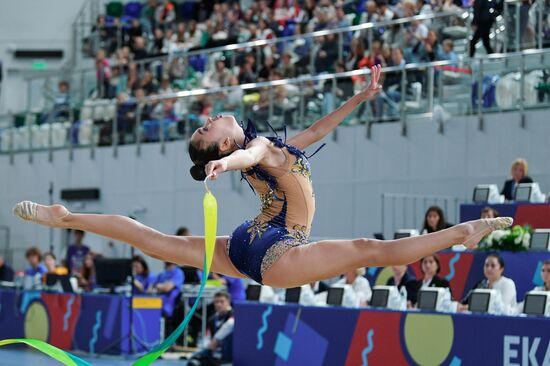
{"x": 214, "y": 140}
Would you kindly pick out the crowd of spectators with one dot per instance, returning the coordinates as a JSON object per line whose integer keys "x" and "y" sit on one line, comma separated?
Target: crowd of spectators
{"x": 126, "y": 47}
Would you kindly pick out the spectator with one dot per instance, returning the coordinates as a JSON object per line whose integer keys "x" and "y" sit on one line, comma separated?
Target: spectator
{"x": 391, "y": 93}
{"x": 384, "y": 12}
{"x": 168, "y": 283}
{"x": 51, "y": 265}
{"x": 328, "y": 53}
{"x": 135, "y": 31}
{"x": 34, "y": 257}
{"x": 139, "y": 49}
{"x": 165, "y": 14}
{"x": 246, "y": 73}
{"x": 545, "y": 275}
{"x": 489, "y": 213}
{"x": 62, "y": 101}
{"x": 147, "y": 16}
{"x": 142, "y": 277}
{"x": 361, "y": 287}
{"x": 268, "y": 67}
{"x": 76, "y": 252}
{"x": 430, "y": 267}
{"x": 87, "y": 278}
{"x": 485, "y": 14}
{"x": 434, "y": 220}
{"x": 401, "y": 278}
{"x": 217, "y": 77}
{"x": 286, "y": 67}
{"x": 494, "y": 279}
{"x": 447, "y": 52}
{"x": 6, "y": 272}
{"x": 519, "y": 175}
{"x": 219, "y": 343}
{"x": 103, "y": 73}
{"x": 148, "y": 83}
{"x": 159, "y": 42}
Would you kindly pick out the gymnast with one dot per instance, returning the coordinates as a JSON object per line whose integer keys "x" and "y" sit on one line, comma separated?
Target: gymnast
{"x": 273, "y": 248}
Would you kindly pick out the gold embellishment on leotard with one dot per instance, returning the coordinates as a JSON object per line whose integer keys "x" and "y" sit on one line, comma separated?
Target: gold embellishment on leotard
{"x": 256, "y": 229}
{"x": 301, "y": 166}
{"x": 266, "y": 199}
{"x": 298, "y": 236}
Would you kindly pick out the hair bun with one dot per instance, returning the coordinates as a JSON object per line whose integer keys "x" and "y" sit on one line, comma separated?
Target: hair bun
{"x": 197, "y": 172}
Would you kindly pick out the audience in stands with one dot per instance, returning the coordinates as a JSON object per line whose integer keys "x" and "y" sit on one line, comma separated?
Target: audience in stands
{"x": 401, "y": 278}
{"x": 76, "y": 252}
{"x": 359, "y": 283}
{"x": 434, "y": 220}
{"x": 143, "y": 279}
{"x": 545, "y": 276}
{"x": 430, "y": 267}
{"x": 6, "y": 272}
{"x": 52, "y": 267}
{"x": 86, "y": 276}
{"x": 494, "y": 279}
{"x": 218, "y": 346}
{"x": 34, "y": 257}
{"x": 519, "y": 175}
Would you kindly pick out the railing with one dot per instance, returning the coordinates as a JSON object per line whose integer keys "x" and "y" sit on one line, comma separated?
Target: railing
{"x": 407, "y": 211}
{"x": 434, "y": 89}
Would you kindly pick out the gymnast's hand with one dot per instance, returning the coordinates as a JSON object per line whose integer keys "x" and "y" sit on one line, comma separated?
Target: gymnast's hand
{"x": 373, "y": 88}
{"x": 215, "y": 167}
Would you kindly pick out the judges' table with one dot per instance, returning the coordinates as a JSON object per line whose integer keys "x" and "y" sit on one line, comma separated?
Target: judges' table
{"x": 94, "y": 323}
{"x": 534, "y": 214}
{"x": 464, "y": 269}
{"x": 314, "y": 336}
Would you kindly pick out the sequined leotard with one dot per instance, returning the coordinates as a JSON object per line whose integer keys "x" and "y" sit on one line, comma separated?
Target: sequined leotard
{"x": 288, "y": 205}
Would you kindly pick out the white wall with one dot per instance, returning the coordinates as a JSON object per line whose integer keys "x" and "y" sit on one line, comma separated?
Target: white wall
{"x": 349, "y": 176}
{"x": 32, "y": 24}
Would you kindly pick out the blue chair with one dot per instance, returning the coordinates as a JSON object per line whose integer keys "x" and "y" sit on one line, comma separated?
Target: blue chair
{"x": 488, "y": 88}
{"x": 198, "y": 62}
{"x": 186, "y": 10}
{"x": 133, "y": 9}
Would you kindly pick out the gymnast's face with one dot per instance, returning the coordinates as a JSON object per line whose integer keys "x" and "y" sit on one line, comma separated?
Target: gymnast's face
{"x": 219, "y": 129}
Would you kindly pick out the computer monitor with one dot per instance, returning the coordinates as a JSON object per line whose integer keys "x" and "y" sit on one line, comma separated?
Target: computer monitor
{"x": 535, "y": 304}
{"x": 379, "y": 236}
{"x": 335, "y": 295}
{"x": 540, "y": 240}
{"x": 481, "y": 194}
{"x": 292, "y": 295}
{"x": 63, "y": 282}
{"x": 427, "y": 300}
{"x": 253, "y": 292}
{"x": 479, "y": 302}
{"x": 112, "y": 272}
{"x": 523, "y": 193}
{"x": 380, "y": 298}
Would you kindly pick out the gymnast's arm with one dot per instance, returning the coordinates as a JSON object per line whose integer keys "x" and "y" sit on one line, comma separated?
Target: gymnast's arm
{"x": 240, "y": 159}
{"x": 322, "y": 127}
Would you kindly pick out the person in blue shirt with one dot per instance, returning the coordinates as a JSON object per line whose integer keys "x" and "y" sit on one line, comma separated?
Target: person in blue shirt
{"x": 34, "y": 257}
{"x": 143, "y": 279}
{"x": 168, "y": 284}
{"x": 235, "y": 286}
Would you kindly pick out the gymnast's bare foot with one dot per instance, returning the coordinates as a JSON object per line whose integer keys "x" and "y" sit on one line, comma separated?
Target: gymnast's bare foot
{"x": 52, "y": 216}
{"x": 478, "y": 229}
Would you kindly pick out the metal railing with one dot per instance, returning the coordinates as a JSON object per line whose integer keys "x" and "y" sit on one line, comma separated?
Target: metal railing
{"x": 435, "y": 89}
{"x": 407, "y": 211}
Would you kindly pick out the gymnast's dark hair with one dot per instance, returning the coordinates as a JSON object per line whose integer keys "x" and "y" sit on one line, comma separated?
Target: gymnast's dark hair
{"x": 201, "y": 157}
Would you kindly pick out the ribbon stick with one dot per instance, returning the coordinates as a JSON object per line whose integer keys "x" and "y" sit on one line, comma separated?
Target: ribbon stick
{"x": 210, "y": 207}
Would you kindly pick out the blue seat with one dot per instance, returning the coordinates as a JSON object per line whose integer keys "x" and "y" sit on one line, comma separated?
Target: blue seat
{"x": 186, "y": 10}
{"x": 133, "y": 9}
{"x": 198, "y": 62}
{"x": 151, "y": 129}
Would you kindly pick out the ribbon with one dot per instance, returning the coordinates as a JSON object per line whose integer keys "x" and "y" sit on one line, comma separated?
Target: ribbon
{"x": 210, "y": 207}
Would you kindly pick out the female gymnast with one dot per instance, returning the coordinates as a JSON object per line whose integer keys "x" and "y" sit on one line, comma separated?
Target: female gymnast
{"x": 273, "y": 248}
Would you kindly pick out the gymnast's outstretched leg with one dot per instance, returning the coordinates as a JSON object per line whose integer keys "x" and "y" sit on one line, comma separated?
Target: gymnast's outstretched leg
{"x": 175, "y": 249}
{"x": 329, "y": 258}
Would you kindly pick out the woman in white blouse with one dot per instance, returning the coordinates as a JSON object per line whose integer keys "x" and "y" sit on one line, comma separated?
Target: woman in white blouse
{"x": 359, "y": 283}
{"x": 545, "y": 275}
{"x": 494, "y": 279}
